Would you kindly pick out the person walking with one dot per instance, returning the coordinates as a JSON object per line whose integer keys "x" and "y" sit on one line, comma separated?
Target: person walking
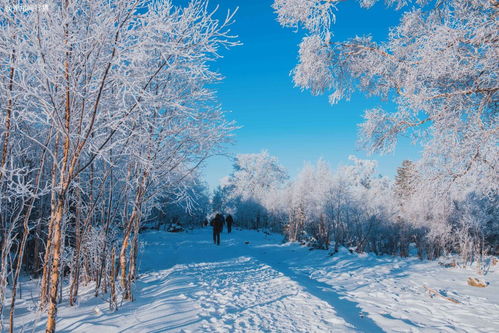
{"x": 217, "y": 223}
{"x": 229, "y": 221}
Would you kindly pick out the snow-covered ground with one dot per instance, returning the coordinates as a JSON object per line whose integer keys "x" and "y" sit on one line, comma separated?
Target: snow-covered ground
{"x": 254, "y": 283}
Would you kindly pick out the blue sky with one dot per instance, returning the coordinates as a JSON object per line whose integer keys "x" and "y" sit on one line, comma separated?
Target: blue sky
{"x": 274, "y": 115}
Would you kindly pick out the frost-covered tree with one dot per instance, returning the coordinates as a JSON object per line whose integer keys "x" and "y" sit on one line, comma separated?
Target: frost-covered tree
{"x": 405, "y": 180}
{"x": 188, "y": 210}
{"x": 251, "y": 188}
{"x": 439, "y": 67}
{"x": 104, "y": 106}
{"x": 404, "y": 188}
{"x": 351, "y": 206}
{"x": 255, "y": 174}
{"x": 311, "y": 194}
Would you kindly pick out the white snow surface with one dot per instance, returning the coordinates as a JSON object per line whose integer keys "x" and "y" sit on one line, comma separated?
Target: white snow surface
{"x": 253, "y": 282}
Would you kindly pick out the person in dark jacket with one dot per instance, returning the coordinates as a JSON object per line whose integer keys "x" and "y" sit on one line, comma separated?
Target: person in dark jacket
{"x": 218, "y": 224}
{"x": 229, "y": 221}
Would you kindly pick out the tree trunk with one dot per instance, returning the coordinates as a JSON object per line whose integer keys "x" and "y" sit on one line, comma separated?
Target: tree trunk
{"x": 75, "y": 271}
{"x": 6, "y": 247}
{"x": 44, "y": 287}
{"x": 56, "y": 261}
{"x": 36, "y": 250}
{"x": 134, "y": 218}
{"x": 102, "y": 270}
{"x": 124, "y": 247}
{"x": 61, "y": 202}
{"x": 113, "y": 304}
{"x": 133, "y": 256}
{"x": 8, "y": 117}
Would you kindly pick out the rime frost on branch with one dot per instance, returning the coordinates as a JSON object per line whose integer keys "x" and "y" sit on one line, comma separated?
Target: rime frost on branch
{"x": 439, "y": 67}
{"x": 313, "y": 70}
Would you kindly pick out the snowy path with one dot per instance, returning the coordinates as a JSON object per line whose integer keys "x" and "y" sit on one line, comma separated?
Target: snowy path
{"x": 231, "y": 289}
{"x": 187, "y": 284}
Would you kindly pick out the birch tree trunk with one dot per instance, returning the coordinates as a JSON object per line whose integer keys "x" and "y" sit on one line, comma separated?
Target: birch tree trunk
{"x": 65, "y": 179}
{"x": 8, "y": 118}
{"x": 75, "y": 271}
{"x": 134, "y": 218}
